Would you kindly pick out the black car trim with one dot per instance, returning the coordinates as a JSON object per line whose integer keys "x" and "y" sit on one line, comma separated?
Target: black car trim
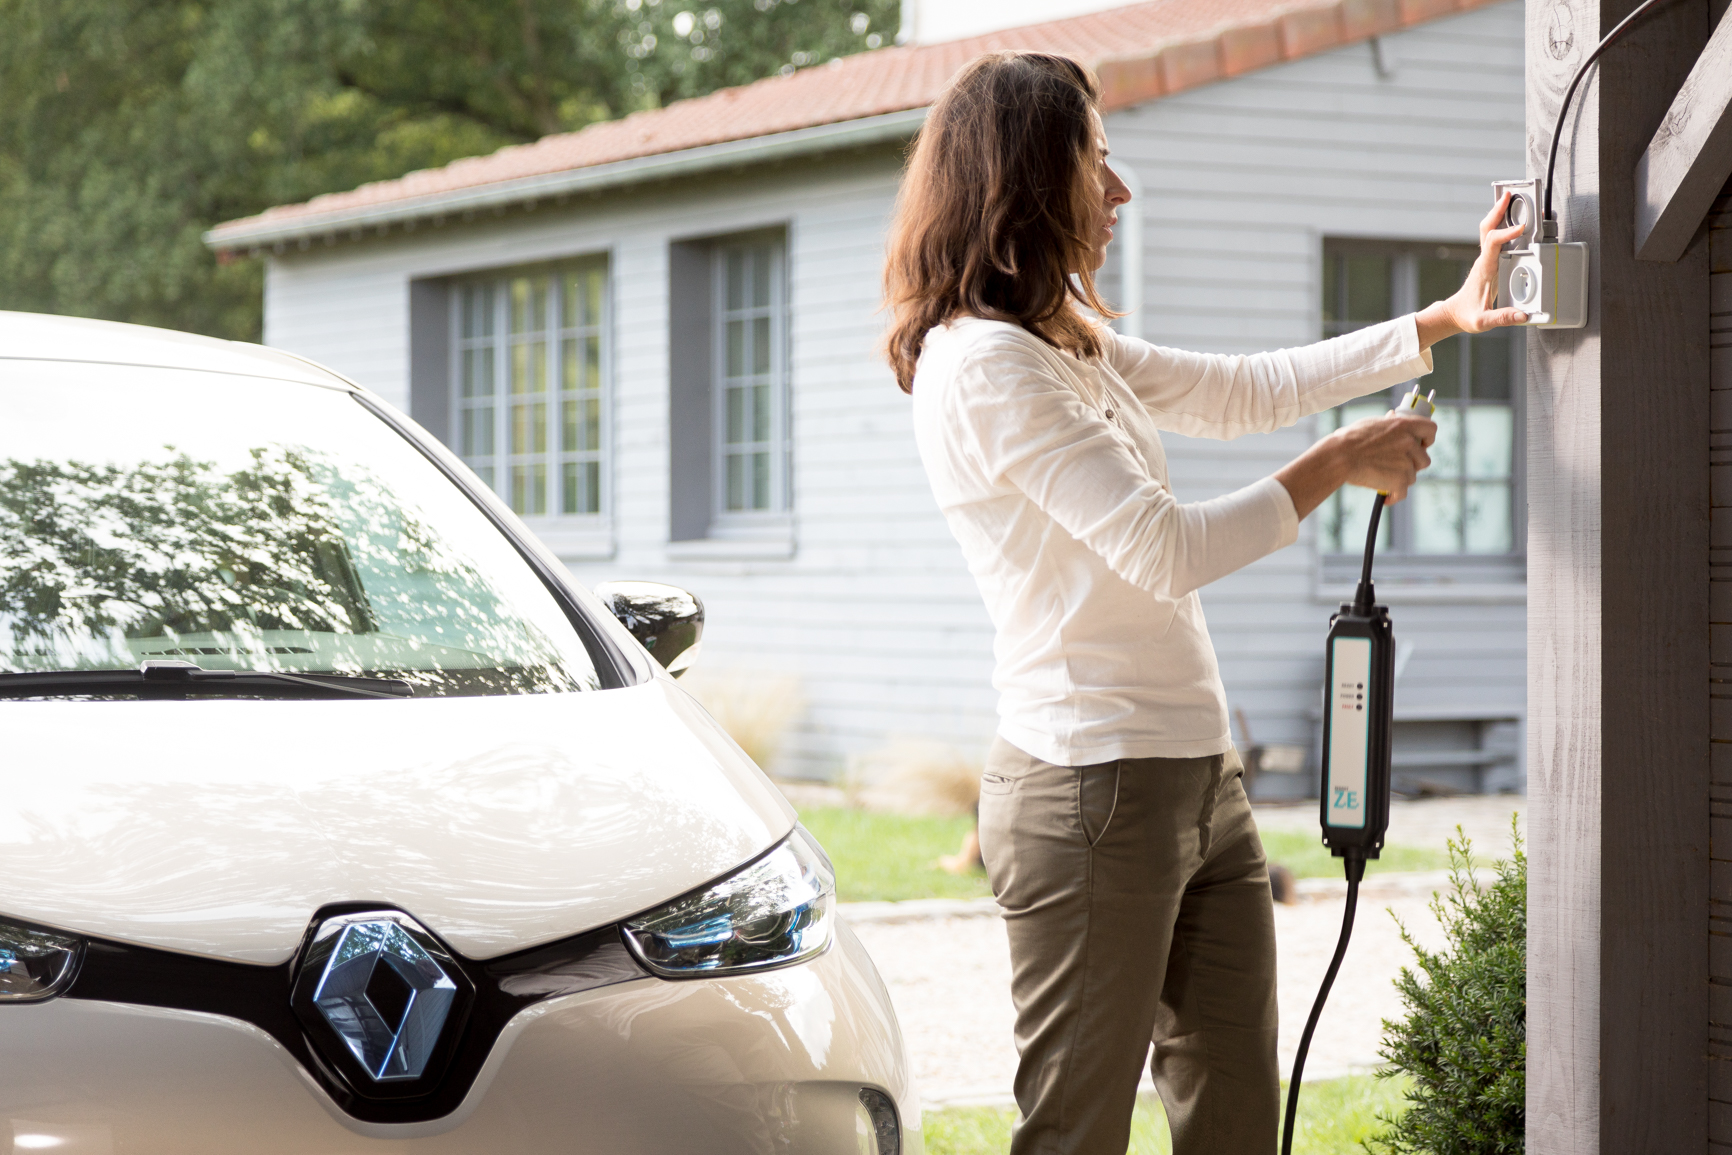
{"x": 616, "y": 669}
{"x": 261, "y": 995}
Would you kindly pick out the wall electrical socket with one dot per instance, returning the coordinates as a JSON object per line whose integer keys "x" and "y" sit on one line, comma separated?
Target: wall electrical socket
{"x": 1547, "y": 280}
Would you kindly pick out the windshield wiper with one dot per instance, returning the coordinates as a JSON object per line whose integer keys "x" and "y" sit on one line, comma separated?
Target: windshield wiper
{"x": 156, "y": 677}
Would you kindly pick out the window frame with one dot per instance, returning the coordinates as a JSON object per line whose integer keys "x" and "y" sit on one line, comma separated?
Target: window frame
{"x": 587, "y": 534}
{"x": 725, "y": 522}
{"x": 1397, "y": 563}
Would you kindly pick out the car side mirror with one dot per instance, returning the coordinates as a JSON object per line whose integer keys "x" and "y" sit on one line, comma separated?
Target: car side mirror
{"x": 666, "y": 619}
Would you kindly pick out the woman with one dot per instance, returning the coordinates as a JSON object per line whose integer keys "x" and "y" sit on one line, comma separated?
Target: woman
{"x": 1112, "y": 821}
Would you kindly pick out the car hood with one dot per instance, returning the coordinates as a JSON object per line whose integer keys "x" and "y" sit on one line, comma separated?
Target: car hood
{"x": 219, "y": 827}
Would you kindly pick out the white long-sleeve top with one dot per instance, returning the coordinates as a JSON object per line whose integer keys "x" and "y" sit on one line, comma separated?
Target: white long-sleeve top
{"x": 1050, "y": 472}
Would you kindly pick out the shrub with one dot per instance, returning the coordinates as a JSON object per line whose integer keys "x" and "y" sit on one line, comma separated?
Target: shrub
{"x": 1464, "y": 1041}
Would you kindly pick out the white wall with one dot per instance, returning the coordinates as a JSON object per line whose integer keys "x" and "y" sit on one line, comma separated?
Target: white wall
{"x": 875, "y": 613}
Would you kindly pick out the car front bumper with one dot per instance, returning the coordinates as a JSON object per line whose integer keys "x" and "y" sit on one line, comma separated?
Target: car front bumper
{"x": 773, "y": 1062}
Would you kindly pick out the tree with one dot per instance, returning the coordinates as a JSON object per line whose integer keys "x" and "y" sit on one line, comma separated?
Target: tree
{"x": 134, "y": 125}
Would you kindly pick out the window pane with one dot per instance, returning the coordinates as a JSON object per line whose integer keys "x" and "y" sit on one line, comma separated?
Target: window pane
{"x": 760, "y": 481}
{"x": 592, "y": 362}
{"x": 736, "y": 348}
{"x": 736, "y": 279}
{"x": 761, "y": 276}
{"x": 761, "y": 345}
{"x": 594, "y": 285}
{"x": 570, "y": 301}
{"x": 736, "y": 481}
{"x": 1436, "y": 516}
{"x": 591, "y": 424}
{"x": 591, "y": 472}
{"x": 569, "y": 379}
{"x": 528, "y": 305}
{"x": 529, "y": 489}
{"x": 1446, "y": 370}
{"x": 477, "y": 373}
{"x": 570, "y": 425}
{"x": 1490, "y": 441}
{"x": 478, "y": 311}
{"x": 1347, "y": 517}
{"x": 519, "y": 298}
{"x": 1332, "y": 310}
{"x": 476, "y": 439}
{"x": 760, "y": 413}
{"x": 1446, "y": 451}
{"x": 1488, "y": 518}
{"x": 1368, "y": 288}
{"x": 520, "y": 369}
{"x": 1438, "y": 279}
{"x": 736, "y": 405}
{"x": 1493, "y": 364}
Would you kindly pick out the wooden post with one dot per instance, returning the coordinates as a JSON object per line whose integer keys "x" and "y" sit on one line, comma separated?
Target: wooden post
{"x": 1618, "y": 730}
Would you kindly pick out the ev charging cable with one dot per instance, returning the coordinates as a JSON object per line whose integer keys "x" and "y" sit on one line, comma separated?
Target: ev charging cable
{"x": 1357, "y": 720}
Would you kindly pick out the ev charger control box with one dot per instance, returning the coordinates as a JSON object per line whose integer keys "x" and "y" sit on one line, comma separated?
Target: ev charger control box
{"x": 1547, "y": 280}
{"x": 1360, "y": 668}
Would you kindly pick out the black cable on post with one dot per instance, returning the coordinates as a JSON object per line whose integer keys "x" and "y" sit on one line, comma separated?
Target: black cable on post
{"x": 1569, "y": 93}
{"x": 1355, "y": 864}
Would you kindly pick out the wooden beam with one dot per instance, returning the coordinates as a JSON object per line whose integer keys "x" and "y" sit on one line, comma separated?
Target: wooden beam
{"x": 1690, "y": 156}
{"x": 1618, "y": 723}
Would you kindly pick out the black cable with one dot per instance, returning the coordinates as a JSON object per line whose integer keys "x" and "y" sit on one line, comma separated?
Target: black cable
{"x": 1353, "y": 861}
{"x": 1355, "y": 864}
{"x": 1558, "y": 125}
{"x": 1367, "y": 593}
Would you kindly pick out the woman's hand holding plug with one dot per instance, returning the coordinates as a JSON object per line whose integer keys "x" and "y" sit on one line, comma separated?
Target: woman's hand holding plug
{"x": 1382, "y": 453}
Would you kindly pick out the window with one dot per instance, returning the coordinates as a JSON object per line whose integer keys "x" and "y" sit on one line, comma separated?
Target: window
{"x": 529, "y": 403}
{"x": 750, "y": 419}
{"x": 1468, "y": 503}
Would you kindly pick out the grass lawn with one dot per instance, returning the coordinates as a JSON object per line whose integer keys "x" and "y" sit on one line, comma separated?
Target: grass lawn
{"x": 889, "y": 857}
{"x": 1334, "y": 1116}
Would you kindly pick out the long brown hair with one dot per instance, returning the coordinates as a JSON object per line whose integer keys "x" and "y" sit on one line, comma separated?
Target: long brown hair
{"x": 997, "y": 207}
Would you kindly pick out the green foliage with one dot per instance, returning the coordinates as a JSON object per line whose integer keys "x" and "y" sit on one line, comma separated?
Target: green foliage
{"x": 132, "y": 126}
{"x": 1464, "y": 1041}
{"x": 1339, "y": 1114}
{"x": 889, "y": 857}
{"x": 1304, "y": 854}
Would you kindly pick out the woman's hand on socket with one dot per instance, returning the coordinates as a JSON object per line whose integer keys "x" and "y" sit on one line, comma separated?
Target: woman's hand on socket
{"x": 1386, "y": 453}
{"x": 1473, "y": 307}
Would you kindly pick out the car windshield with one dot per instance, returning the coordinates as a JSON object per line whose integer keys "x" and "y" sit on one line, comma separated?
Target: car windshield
{"x": 244, "y": 523}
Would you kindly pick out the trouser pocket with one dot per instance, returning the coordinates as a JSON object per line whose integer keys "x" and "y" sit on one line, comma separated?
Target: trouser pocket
{"x": 1097, "y": 799}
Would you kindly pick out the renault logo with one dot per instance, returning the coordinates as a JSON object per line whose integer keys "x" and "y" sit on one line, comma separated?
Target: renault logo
{"x": 384, "y": 989}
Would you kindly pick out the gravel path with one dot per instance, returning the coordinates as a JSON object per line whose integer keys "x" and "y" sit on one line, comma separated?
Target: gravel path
{"x": 950, "y": 976}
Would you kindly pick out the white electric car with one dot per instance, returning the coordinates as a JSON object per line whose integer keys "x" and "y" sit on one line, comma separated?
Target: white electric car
{"x": 336, "y": 819}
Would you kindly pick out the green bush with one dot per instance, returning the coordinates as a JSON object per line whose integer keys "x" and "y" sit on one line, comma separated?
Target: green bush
{"x": 1464, "y": 1041}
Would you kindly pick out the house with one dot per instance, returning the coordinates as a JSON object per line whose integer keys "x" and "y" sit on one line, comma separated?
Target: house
{"x": 656, "y": 337}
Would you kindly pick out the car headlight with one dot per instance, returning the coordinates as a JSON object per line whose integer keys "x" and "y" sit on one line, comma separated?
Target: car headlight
{"x": 35, "y": 964}
{"x": 771, "y": 912}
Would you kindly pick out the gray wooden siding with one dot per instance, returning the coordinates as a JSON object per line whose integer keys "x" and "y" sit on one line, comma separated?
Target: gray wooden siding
{"x": 875, "y": 613}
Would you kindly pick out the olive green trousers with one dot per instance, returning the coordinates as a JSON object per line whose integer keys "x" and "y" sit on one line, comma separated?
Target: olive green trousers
{"x": 1136, "y": 896}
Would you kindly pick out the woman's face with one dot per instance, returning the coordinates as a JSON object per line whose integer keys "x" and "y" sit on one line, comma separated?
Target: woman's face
{"x": 1113, "y": 193}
